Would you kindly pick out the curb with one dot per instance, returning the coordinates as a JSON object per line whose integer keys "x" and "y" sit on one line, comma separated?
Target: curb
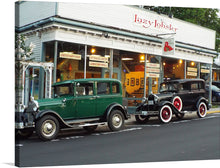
{"x": 210, "y": 112}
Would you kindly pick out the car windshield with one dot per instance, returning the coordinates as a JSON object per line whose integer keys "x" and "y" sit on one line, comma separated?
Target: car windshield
{"x": 62, "y": 90}
{"x": 168, "y": 87}
{"x": 215, "y": 88}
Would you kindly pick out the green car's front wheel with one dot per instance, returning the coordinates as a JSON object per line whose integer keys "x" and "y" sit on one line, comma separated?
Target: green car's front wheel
{"x": 47, "y": 127}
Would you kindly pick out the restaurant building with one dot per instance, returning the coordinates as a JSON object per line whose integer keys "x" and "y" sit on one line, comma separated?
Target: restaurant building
{"x": 139, "y": 47}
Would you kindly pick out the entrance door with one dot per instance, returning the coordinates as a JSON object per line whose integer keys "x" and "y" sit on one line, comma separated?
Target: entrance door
{"x": 31, "y": 84}
{"x": 34, "y": 86}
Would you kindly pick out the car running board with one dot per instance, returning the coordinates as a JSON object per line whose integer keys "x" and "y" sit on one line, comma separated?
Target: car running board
{"x": 83, "y": 123}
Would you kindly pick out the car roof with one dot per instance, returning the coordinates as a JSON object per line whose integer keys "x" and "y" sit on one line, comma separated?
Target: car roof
{"x": 86, "y": 80}
{"x": 184, "y": 80}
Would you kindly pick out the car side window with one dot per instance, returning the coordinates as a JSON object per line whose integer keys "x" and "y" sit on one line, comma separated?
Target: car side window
{"x": 201, "y": 85}
{"x": 194, "y": 86}
{"x": 103, "y": 88}
{"x": 84, "y": 89}
{"x": 62, "y": 90}
{"x": 115, "y": 88}
{"x": 184, "y": 87}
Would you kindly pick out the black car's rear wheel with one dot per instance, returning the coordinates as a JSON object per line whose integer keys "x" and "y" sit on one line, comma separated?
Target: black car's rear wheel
{"x": 47, "y": 127}
{"x": 202, "y": 110}
{"x": 179, "y": 116}
{"x": 165, "y": 114}
{"x": 141, "y": 119}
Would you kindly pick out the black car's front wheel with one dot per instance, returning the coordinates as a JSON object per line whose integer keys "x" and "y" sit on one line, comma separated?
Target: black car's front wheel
{"x": 22, "y": 134}
{"x": 165, "y": 114}
{"x": 47, "y": 127}
{"x": 90, "y": 128}
{"x": 116, "y": 120}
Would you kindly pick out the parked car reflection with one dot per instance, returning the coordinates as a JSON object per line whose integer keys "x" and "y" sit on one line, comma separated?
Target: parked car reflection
{"x": 215, "y": 93}
{"x": 216, "y": 83}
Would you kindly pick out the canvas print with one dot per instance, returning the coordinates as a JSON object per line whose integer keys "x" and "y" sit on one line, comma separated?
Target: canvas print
{"x": 115, "y": 83}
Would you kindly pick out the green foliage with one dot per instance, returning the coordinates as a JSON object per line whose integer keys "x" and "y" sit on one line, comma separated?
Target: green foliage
{"x": 21, "y": 50}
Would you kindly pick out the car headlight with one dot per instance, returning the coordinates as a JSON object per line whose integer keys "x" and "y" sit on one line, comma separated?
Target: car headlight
{"x": 144, "y": 100}
{"x": 156, "y": 99}
{"x": 22, "y": 108}
{"x": 35, "y": 105}
{"x": 32, "y": 105}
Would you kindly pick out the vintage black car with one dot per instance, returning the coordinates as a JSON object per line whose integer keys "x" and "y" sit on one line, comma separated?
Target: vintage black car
{"x": 176, "y": 97}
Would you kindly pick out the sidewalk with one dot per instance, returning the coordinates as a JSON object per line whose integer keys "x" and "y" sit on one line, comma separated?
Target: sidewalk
{"x": 132, "y": 120}
{"x": 214, "y": 110}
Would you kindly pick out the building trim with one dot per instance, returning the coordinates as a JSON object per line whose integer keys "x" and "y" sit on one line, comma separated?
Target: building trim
{"x": 103, "y": 29}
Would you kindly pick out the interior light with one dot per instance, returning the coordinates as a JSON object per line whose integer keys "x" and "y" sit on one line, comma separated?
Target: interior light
{"x": 93, "y": 50}
{"x": 180, "y": 61}
{"x": 127, "y": 59}
{"x": 142, "y": 58}
{"x": 164, "y": 63}
{"x": 192, "y": 63}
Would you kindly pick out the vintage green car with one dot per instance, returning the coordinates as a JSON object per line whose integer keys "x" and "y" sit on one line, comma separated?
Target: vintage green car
{"x": 83, "y": 103}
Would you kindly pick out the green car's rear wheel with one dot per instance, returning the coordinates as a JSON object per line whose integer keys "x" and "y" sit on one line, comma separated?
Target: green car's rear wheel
{"x": 116, "y": 120}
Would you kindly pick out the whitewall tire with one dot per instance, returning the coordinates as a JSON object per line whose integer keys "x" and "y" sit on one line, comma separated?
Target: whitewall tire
{"x": 165, "y": 114}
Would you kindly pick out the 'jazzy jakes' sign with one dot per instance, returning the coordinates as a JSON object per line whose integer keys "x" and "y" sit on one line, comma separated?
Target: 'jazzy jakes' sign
{"x": 153, "y": 23}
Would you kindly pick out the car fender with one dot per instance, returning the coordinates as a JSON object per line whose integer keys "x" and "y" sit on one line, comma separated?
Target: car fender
{"x": 174, "y": 109}
{"x": 52, "y": 113}
{"x": 115, "y": 106}
{"x": 162, "y": 103}
{"x": 202, "y": 99}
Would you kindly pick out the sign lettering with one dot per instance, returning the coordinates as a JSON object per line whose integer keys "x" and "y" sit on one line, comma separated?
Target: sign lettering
{"x": 205, "y": 71}
{"x": 98, "y": 58}
{"x": 98, "y": 64}
{"x": 158, "y": 24}
{"x": 70, "y": 55}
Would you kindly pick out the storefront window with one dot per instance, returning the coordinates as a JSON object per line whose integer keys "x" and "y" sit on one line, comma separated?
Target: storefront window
{"x": 173, "y": 68}
{"x": 132, "y": 75}
{"x": 133, "y": 67}
{"x": 191, "y": 70}
{"x": 97, "y": 59}
{"x": 204, "y": 71}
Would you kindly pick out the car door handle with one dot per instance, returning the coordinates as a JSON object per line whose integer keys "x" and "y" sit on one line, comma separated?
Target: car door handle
{"x": 95, "y": 96}
{"x": 64, "y": 100}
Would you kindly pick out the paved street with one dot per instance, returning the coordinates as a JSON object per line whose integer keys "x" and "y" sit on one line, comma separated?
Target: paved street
{"x": 188, "y": 139}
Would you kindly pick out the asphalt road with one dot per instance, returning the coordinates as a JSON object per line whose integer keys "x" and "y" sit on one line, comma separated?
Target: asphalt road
{"x": 180, "y": 140}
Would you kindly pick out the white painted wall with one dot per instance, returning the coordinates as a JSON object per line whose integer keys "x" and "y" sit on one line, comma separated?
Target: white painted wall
{"x": 37, "y": 49}
{"x": 118, "y": 16}
{"x": 31, "y": 11}
{"x": 123, "y": 17}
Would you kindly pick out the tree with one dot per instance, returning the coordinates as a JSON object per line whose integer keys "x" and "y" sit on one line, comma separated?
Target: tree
{"x": 205, "y": 17}
{"x": 22, "y": 52}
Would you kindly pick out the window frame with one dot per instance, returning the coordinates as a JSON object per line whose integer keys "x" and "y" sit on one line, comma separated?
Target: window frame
{"x": 84, "y": 83}
{"x": 109, "y": 90}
